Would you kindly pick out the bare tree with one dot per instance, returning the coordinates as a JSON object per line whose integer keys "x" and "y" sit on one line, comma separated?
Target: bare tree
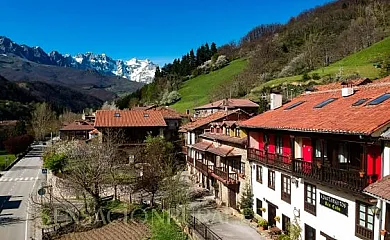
{"x": 43, "y": 120}
{"x": 68, "y": 116}
{"x": 154, "y": 161}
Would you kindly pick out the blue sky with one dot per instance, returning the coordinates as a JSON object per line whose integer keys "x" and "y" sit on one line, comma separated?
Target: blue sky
{"x": 158, "y": 30}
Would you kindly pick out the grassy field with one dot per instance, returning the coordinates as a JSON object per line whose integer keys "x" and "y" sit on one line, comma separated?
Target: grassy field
{"x": 6, "y": 159}
{"x": 196, "y": 91}
{"x": 361, "y": 63}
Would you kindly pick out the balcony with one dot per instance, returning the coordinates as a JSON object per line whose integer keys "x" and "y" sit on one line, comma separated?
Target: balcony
{"x": 331, "y": 176}
{"x": 227, "y": 178}
{"x": 190, "y": 160}
{"x": 346, "y": 179}
{"x": 271, "y": 159}
{"x": 204, "y": 168}
{"x": 184, "y": 150}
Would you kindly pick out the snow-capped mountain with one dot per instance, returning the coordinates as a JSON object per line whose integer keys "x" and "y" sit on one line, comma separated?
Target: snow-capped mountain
{"x": 133, "y": 69}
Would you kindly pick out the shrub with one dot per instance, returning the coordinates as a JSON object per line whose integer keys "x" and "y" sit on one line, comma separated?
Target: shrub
{"x": 55, "y": 161}
{"x": 306, "y": 77}
{"x": 19, "y": 144}
{"x": 263, "y": 223}
{"x": 315, "y": 76}
{"x": 246, "y": 203}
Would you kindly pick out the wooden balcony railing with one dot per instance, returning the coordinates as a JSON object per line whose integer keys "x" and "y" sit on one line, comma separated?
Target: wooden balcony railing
{"x": 202, "y": 167}
{"x": 184, "y": 150}
{"x": 332, "y": 176}
{"x": 347, "y": 179}
{"x": 271, "y": 159}
{"x": 228, "y": 178}
{"x": 190, "y": 160}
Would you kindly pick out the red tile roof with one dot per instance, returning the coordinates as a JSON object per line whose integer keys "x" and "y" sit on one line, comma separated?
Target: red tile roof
{"x": 202, "y": 146}
{"x": 129, "y": 118}
{"x": 222, "y": 151}
{"x": 224, "y": 138}
{"x": 379, "y": 189}
{"x": 167, "y": 112}
{"x": 78, "y": 126}
{"x": 337, "y": 117}
{"x": 209, "y": 119}
{"x": 229, "y": 103}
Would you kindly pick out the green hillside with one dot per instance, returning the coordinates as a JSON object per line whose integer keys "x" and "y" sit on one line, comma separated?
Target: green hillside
{"x": 195, "y": 92}
{"x": 361, "y": 63}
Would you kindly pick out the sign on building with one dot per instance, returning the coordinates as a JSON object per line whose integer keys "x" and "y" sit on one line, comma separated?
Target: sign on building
{"x": 334, "y": 204}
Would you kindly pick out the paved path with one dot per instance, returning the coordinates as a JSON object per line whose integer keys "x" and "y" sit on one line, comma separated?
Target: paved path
{"x": 16, "y": 186}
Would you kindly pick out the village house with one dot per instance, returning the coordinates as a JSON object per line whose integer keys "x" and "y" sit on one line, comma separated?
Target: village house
{"x": 77, "y": 130}
{"x": 312, "y": 158}
{"x": 216, "y": 155}
{"x": 380, "y": 192}
{"x": 227, "y": 104}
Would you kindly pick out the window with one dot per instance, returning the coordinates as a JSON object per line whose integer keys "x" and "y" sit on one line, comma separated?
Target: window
{"x": 380, "y": 99}
{"x": 310, "y": 233}
{"x": 324, "y": 103}
{"x": 271, "y": 179}
{"x": 294, "y": 105}
{"x": 242, "y": 168}
{"x": 286, "y": 188}
{"x": 259, "y": 206}
{"x": 359, "y": 102}
{"x": 343, "y": 153}
{"x": 117, "y": 114}
{"x": 228, "y": 131}
{"x": 285, "y": 223}
{"x": 310, "y": 198}
{"x": 237, "y": 132}
{"x": 259, "y": 174}
{"x": 364, "y": 221}
{"x": 279, "y": 145}
{"x": 318, "y": 150}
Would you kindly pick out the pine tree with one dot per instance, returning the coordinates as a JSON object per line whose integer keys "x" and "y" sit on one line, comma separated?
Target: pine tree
{"x": 213, "y": 49}
{"x": 246, "y": 203}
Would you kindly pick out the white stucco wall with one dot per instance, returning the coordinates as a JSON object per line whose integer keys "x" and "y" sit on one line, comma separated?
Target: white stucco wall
{"x": 326, "y": 220}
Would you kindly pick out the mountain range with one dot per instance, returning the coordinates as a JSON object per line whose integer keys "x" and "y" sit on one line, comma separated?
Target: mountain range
{"x": 133, "y": 69}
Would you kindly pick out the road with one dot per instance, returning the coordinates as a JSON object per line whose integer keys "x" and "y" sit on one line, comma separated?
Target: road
{"x": 16, "y": 185}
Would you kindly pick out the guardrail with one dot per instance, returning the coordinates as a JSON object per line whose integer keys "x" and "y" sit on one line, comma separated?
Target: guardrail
{"x": 202, "y": 229}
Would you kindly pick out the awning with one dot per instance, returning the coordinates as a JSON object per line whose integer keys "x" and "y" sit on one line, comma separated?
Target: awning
{"x": 379, "y": 189}
{"x": 202, "y": 146}
{"x": 223, "y": 151}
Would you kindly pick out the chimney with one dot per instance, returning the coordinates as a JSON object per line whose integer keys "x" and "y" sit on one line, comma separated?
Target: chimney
{"x": 347, "y": 90}
{"x": 275, "y": 100}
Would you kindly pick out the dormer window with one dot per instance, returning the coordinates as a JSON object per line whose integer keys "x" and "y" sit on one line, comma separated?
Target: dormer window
{"x": 146, "y": 115}
{"x": 117, "y": 114}
{"x": 237, "y": 132}
{"x": 228, "y": 131}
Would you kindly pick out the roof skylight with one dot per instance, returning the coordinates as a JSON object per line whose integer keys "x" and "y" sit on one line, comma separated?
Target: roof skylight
{"x": 359, "y": 102}
{"x": 324, "y": 103}
{"x": 294, "y": 105}
{"x": 379, "y": 99}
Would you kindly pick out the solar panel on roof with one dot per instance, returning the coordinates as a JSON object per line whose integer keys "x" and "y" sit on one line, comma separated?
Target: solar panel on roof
{"x": 294, "y": 105}
{"x": 360, "y": 102}
{"x": 326, "y": 102}
{"x": 379, "y": 99}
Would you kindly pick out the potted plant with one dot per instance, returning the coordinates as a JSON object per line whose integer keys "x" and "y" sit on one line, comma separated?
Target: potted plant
{"x": 263, "y": 209}
{"x": 383, "y": 232}
{"x": 361, "y": 173}
{"x": 263, "y": 224}
{"x": 277, "y": 218}
{"x": 319, "y": 164}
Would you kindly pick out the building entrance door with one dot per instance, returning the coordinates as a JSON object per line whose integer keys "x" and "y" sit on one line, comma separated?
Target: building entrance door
{"x": 271, "y": 214}
{"x": 232, "y": 198}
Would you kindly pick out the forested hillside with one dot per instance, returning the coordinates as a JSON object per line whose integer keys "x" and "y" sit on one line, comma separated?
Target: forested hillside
{"x": 313, "y": 40}
{"x": 17, "y": 99}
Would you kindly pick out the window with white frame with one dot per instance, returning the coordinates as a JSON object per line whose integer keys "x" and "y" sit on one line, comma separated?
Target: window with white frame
{"x": 318, "y": 150}
{"x": 364, "y": 221}
{"x": 259, "y": 174}
{"x": 310, "y": 198}
{"x": 343, "y": 153}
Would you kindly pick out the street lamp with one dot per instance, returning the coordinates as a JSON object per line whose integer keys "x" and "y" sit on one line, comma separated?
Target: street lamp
{"x": 375, "y": 210}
